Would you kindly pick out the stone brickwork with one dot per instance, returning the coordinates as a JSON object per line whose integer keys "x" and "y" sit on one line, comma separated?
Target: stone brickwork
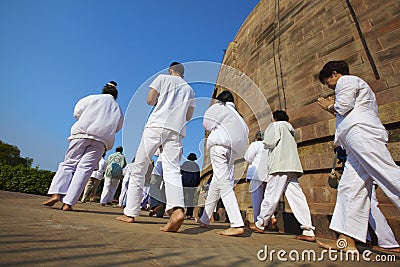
{"x": 282, "y": 50}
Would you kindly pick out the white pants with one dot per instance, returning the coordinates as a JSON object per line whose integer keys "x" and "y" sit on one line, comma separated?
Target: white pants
{"x": 386, "y": 238}
{"x": 152, "y": 138}
{"x": 221, "y": 186}
{"x": 288, "y": 184}
{"x": 124, "y": 189}
{"x": 81, "y": 158}
{"x": 257, "y": 189}
{"x": 109, "y": 188}
{"x": 367, "y": 159}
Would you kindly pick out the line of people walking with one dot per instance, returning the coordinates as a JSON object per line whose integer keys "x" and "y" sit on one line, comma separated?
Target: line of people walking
{"x": 275, "y": 164}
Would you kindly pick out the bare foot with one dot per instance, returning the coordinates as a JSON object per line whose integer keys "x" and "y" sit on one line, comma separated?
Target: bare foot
{"x": 66, "y": 207}
{"x": 334, "y": 245}
{"x": 305, "y": 238}
{"x": 233, "y": 231}
{"x": 393, "y": 250}
{"x": 202, "y": 225}
{"x": 273, "y": 224}
{"x": 252, "y": 226}
{"x": 155, "y": 210}
{"x": 125, "y": 218}
{"x": 53, "y": 200}
{"x": 175, "y": 221}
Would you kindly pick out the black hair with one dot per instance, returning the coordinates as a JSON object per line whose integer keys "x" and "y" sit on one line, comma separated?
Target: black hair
{"x": 259, "y": 136}
{"x": 111, "y": 89}
{"x": 192, "y": 157}
{"x": 119, "y": 149}
{"x": 280, "y": 115}
{"x": 225, "y": 96}
{"x": 339, "y": 66}
{"x": 177, "y": 67}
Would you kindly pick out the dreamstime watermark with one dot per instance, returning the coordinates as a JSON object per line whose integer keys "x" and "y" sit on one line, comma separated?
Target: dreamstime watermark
{"x": 334, "y": 255}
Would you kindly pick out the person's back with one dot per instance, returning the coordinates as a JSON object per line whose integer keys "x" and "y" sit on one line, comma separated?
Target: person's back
{"x": 175, "y": 95}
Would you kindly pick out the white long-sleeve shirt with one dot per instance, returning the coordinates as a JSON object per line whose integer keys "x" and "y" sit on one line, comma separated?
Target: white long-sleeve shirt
{"x": 355, "y": 103}
{"x": 227, "y": 128}
{"x": 98, "y": 174}
{"x": 99, "y": 118}
{"x": 253, "y": 156}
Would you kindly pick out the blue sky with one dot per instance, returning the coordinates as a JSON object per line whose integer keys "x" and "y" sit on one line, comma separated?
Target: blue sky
{"x": 54, "y": 52}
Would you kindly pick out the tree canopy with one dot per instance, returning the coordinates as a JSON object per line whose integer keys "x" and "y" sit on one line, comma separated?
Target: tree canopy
{"x": 11, "y": 155}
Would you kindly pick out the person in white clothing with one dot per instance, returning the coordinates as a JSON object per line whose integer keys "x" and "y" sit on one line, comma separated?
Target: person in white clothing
{"x": 227, "y": 142}
{"x": 257, "y": 184}
{"x": 359, "y": 131}
{"x": 283, "y": 169}
{"x": 99, "y": 117}
{"x": 94, "y": 181}
{"x": 157, "y": 188}
{"x": 174, "y": 104}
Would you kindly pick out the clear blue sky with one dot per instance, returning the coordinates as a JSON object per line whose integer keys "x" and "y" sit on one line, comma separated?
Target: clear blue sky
{"x": 54, "y": 52}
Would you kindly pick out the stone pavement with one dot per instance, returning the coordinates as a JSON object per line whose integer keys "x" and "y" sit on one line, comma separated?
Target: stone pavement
{"x": 35, "y": 235}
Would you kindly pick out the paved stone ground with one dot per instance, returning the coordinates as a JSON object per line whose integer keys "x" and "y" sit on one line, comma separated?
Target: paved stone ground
{"x": 35, "y": 235}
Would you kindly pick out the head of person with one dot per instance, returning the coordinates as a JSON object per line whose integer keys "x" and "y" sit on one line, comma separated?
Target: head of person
{"x": 280, "y": 115}
{"x": 259, "y": 136}
{"x": 176, "y": 69}
{"x": 192, "y": 157}
{"x": 225, "y": 96}
{"x": 332, "y": 71}
{"x": 111, "y": 89}
{"x": 119, "y": 149}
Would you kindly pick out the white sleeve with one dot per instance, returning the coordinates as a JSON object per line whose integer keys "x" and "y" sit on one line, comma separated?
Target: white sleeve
{"x": 80, "y": 107}
{"x": 250, "y": 154}
{"x": 156, "y": 84}
{"x": 272, "y": 135}
{"x": 346, "y": 93}
{"x": 210, "y": 120}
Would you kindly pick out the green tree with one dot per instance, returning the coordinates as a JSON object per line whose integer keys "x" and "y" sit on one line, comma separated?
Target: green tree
{"x": 11, "y": 155}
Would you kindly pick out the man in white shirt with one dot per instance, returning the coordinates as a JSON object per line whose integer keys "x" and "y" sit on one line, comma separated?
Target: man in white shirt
{"x": 359, "y": 131}
{"x": 173, "y": 99}
{"x": 99, "y": 117}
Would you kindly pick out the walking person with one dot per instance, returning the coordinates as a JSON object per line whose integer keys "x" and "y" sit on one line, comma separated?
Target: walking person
{"x": 174, "y": 104}
{"x": 227, "y": 142}
{"x": 115, "y": 164}
{"x": 283, "y": 169}
{"x": 99, "y": 117}
{"x": 94, "y": 181}
{"x": 190, "y": 172}
{"x": 360, "y": 132}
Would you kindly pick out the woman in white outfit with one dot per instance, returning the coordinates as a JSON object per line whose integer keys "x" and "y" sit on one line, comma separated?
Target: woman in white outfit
{"x": 360, "y": 131}
{"x": 227, "y": 142}
{"x": 283, "y": 170}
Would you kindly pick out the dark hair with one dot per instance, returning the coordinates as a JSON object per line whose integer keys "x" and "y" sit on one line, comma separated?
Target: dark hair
{"x": 339, "y": 66}
{"x": 280, "y": 115}
{"x": 259, "y": 136}
{"x": 225, "y": 96}
{"x": 119, "y": 149}
{"x": 111, "y": 89}
{"x": 177, "y": 67}
{"x": 192, "y": 157}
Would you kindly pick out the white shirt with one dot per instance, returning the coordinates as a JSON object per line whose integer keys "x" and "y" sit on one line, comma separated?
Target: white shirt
{"x": 355, "y": 103}
{"x": 253, "y": 156}
{"x": 99, "y": 118}
{"x": 175, "y": 97}
{"x": 98, "y": 174}
{"x": 227, "y": 128}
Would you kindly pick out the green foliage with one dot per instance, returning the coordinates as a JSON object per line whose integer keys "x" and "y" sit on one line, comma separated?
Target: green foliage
{"x": 11, "y": 155}
{"x": 25, "y": 179}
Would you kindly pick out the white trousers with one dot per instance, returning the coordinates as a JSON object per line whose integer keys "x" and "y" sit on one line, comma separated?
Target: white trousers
{"x": 221, "y": 186}
{"x": 152, "y": 138}
{"x": 288, "y": 184}
{"x": 124, "y": 190}
{"x": 109, "y": 188}
{"x": 367, "y": 159}
{"x": 386, "y": 238}
{"x": 81, "y": 158}
{"x": 257, "y": 189}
